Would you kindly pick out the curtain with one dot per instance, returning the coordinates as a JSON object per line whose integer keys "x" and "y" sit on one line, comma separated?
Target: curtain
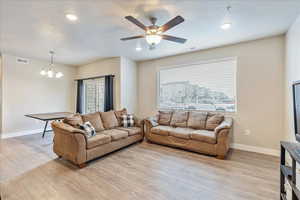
{"x": 109, "y": 93}
{"x": 79, "y": 102}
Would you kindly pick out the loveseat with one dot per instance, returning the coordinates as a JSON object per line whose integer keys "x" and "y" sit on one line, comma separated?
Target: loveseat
{"x": 73, "y": 144}
{"x": 201, "y": 132}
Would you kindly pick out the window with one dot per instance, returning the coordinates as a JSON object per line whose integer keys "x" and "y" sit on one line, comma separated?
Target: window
{"x": 94, "y": 95}
{"x": 206, "y": 86}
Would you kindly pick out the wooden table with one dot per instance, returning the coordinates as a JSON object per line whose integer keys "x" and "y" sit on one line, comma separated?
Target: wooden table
{"x": 46, "y": 117}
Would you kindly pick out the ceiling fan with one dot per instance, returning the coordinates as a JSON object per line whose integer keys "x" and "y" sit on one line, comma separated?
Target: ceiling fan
{"x": 154, "y": 33}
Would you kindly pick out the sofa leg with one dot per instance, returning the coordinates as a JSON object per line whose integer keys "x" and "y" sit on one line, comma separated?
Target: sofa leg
{"x": 221, "y": 157}
{"x": 82, "y": 165}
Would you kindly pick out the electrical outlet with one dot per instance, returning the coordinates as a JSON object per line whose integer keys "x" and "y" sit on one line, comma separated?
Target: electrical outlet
{"x": 247, "y": 132}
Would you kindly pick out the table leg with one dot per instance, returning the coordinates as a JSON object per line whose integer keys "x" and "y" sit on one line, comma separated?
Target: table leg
{"x": 45, "y": 129}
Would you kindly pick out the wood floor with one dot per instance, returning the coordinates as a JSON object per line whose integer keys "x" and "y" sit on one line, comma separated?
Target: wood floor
{"x": 30, "y": 171}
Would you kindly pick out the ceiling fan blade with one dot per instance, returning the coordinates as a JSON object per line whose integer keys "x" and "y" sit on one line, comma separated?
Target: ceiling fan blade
{"x": 132, "y": 38}
{"x": 174, "y": 39}
{"x": 173, "y": 22}
{"x": 136, "y": 22}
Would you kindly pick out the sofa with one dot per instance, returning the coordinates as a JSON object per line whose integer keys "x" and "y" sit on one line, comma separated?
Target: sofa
{"x": 73, "y": 144}
{"x": 202, "y": 132}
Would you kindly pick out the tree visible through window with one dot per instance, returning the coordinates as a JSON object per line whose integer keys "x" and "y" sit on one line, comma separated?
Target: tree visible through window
{"x": 206, "y": 86}
{"x": 94, "y": 95}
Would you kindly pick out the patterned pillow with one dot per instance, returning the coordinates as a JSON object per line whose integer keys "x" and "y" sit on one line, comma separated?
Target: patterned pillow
{"x": 127, "y": 120}
{"x": 88, "y": 128}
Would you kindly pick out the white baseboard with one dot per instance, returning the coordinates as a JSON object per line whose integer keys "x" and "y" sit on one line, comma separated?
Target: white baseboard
{"x": 255, "y": 149}
{"x": 22, "y": 133}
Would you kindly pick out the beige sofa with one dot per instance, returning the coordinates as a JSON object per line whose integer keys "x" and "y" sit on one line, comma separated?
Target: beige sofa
{"x": 201, "y": 132}
{"x": 72, "y": 143}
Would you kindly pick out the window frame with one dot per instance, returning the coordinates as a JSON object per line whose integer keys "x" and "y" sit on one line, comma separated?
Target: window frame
{"x": 199, "y": 62}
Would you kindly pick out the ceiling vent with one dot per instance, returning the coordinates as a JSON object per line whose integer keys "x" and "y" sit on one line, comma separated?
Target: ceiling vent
{"x": 23, "y": 61}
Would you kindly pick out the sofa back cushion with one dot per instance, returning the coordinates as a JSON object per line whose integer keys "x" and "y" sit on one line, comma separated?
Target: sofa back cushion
{"x": 119, "y": 114}
{"x": 179, "y": 119}
{"x": 197, "y": 120}
{"x": 95, "y": 120}
{"x": 73, "y": 120}
{"x": 164, "y": 117}
{"x": 109, "y": 119}
{"x": 213, "y": 120}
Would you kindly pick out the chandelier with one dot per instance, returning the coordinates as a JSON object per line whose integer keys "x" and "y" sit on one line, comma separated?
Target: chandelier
{"x": 49, "y": 72}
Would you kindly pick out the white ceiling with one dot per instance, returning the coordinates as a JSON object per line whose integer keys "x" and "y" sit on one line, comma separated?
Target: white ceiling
{"x": 30, "y": 28}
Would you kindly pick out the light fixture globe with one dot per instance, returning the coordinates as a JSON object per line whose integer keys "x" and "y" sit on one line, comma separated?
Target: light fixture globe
{"x": 50, "y": 73}
{"x": 153, "y": 39}
{"x": 43, "y": 72}
{"x": 226, "y": 26}
{"x": 59, "y": 75}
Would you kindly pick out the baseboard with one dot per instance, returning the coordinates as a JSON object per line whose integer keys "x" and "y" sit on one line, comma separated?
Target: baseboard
{"x": 22, "y": 133}
{"x": 255, "y": 149}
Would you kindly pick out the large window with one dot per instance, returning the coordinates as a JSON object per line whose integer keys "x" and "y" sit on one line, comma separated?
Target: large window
{"x": 94, "y": 95}
{"x": 207, "y": 86}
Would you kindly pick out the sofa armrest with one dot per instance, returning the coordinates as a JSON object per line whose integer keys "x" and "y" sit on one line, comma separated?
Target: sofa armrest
{"x": 139, "y": 122}
{"x": 226, "y": 124}
{"x": 151, "y": 121}
{"x": 69, "y": 142}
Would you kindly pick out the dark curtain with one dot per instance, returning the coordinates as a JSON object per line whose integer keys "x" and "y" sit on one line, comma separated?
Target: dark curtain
{"x": 79, "y": 102}
{"x": 109, "y": 93}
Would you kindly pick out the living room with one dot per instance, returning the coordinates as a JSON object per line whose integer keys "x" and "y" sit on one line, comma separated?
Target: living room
{"x": 148, "y": 99}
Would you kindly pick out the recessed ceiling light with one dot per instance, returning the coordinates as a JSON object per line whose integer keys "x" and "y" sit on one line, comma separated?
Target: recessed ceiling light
{"x": 138, "y": 48}
{"x": 226, "y": 26}
{"x": 71, "y": 17}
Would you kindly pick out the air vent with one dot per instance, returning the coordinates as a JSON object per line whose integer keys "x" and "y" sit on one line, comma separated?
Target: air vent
{"x": 23, "y": 61}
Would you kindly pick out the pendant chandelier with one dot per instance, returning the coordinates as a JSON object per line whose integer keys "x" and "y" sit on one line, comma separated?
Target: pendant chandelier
{"x": 50, "y": 72}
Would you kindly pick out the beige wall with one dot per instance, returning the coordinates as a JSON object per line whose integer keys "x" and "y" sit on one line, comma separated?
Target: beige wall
{"x": 110, "y": 66}
{"x": 25, "y": 91}
{"x": 129, "y": 85}
{"x": 260, "y": 101}
{"x": 292, "y": 73}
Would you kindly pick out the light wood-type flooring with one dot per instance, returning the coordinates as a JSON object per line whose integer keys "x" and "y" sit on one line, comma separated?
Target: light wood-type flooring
{"x": 29, "y": 170}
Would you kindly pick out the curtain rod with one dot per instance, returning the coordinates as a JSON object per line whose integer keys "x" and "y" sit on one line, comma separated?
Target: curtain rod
{"x": 95, "y": 77}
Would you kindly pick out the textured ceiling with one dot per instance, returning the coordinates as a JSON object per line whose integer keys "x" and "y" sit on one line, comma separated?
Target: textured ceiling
{"x": 30, "y": 28}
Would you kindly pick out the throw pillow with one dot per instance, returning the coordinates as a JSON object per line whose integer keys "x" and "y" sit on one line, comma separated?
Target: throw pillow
{"x": 213, "y": 121}
{"x": 164, "y": 117}
{"x": 119, "y": 114}
{"x": 88, "y": 129}
{"x": 73, "y": 120}
{"x": 179, "y": 119}
{"x": 127, "y": 120}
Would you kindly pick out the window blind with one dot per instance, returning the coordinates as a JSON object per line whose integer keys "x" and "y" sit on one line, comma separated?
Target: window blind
{"x": 207, "y": 86}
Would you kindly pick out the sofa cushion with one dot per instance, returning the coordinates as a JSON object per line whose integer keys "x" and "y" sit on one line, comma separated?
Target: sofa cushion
{"x": 97, "y": 140}
{"x": 179, "y": 119}
{"x": 95, "y": 120}
{"x": 181, "y": 132}
{"x": 204, "y": 136}
{"x": 197, "y": 120}
{"x": 119, "y": 114}
{"x": 164, "y": 117}
{"x": 131, "y": 130}
{"x": 213, "y": 120}
{"x": 116, "y": 134}
{"x": 73, "y": 120}
{"x": 162, "y": 130}
{"x": 109, "y": 119}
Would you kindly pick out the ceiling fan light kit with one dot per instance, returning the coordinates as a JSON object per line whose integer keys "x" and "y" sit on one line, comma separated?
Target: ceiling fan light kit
{"x": 153, "y": 33}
